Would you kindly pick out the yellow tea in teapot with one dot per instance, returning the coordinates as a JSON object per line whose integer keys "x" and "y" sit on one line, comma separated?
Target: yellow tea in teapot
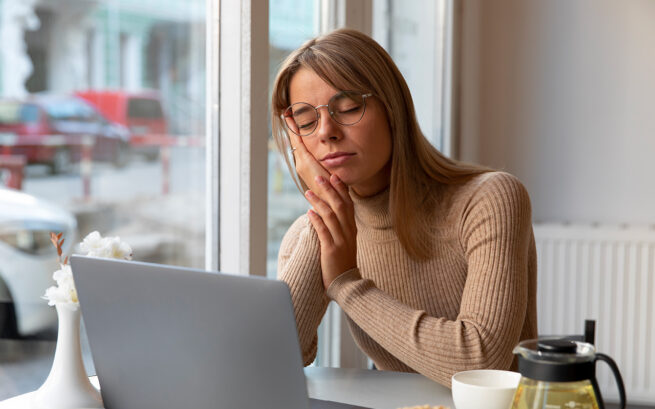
{"x": 532, "y": 394}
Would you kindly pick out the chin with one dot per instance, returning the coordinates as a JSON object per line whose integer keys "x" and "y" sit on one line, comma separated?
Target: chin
{"x": 346, "y": 177}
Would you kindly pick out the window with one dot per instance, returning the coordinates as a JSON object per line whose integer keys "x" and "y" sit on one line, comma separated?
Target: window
{"x": 414, "y": 34}
{"x": 130, "y": 78}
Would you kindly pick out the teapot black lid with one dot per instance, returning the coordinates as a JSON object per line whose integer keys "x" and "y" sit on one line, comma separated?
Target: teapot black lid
{"x": 556, "y": 360}
{"x": 563, "y": 346}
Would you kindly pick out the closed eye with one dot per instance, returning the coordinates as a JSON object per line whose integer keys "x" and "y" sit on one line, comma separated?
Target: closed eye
{"x": 307, "y": 125}
{"x": 353, "y": 109}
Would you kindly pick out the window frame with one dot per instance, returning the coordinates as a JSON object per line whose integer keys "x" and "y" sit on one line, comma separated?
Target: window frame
{"x": 236, "y": 170}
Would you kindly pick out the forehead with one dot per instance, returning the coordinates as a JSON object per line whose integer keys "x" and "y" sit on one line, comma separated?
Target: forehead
{"x": 307, "y": 86}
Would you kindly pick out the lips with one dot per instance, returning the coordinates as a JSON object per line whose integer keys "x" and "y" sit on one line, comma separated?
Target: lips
{"x": 336, "y": 158}
{"x": 336, "y": 155}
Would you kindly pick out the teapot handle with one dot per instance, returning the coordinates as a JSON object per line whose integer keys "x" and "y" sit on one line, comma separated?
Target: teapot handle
{"x": 617, "y": 376}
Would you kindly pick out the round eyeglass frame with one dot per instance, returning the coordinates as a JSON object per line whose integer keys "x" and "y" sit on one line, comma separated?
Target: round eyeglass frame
{"x": 318, "y": 115}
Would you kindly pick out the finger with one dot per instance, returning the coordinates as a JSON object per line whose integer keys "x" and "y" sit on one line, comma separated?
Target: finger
{"x": 349, "y": 224}
{"x": 335, "y": 200}
{"x": 328, "y": 216}
{"x": 341, "y": 188}
{"x": 297, "y": 144}
{"x": 321, "y": 229}
{"x": 296, "y": 147}
{"x": 293, "y": 145}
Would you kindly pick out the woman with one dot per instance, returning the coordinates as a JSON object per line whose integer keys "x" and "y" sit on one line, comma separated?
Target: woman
{"x": 433, "y": 261}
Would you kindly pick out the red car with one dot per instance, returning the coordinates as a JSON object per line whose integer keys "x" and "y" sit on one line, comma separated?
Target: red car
{"x": 140, "y": 112}
{"x": 52, "y": 129}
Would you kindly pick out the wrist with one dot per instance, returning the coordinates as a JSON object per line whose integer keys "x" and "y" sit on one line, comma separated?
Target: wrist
{"x": 339, "y": 281}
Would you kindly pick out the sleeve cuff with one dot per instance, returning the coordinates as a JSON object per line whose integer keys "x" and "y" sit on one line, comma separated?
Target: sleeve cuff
{"x": 343, "y": 282}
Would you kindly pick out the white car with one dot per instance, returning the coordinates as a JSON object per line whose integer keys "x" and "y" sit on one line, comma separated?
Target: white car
{"x": 28, "y": 259}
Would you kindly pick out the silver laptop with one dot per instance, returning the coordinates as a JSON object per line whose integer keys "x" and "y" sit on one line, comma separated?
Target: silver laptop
{"x": 167, "y": 337}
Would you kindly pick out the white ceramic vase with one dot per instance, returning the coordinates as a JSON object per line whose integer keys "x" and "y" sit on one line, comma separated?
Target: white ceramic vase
{"x": 67, "y": 385}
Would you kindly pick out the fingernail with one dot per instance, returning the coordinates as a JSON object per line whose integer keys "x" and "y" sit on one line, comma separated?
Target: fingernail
{"x": 336, "y": 179}
{"x": 319, "y": 179}
{"x": 309, "y": 193}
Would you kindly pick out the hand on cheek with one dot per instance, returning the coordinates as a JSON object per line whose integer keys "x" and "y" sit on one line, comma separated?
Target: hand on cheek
{"x": 307, "y": 167}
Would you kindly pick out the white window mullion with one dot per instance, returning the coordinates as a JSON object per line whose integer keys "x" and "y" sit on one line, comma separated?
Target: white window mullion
{"x": 450, "y": 91}
{"x": 243, "y": 114}
{"x": 342, "y": 13}
{"x": 212, "y": 159}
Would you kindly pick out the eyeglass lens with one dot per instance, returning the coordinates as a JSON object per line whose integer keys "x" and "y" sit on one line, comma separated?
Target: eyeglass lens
{"x": 346, "y": 108}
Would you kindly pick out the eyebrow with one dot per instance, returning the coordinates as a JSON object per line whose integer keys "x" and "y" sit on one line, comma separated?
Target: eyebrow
{"x": 305, "y": 109}
{"x": 301, "y": 110}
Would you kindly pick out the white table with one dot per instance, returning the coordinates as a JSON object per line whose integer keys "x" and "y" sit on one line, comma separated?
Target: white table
{"x": 374, "y": 389}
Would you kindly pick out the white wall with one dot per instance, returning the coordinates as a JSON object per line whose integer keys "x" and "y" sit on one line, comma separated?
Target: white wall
{"x": 562, "y": 94}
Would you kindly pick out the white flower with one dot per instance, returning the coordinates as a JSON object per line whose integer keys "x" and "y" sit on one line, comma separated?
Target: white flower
{"x": 63, "y": 276}
{"x": 92, "y": 242}
{"x": 94, "y": 245}
{"x": 112, "y": 247}
{"x": 118, "y": 249}
{"x": 64, "y": 292}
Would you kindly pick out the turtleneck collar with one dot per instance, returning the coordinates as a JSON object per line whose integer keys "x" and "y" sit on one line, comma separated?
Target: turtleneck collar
{"x": 372, "y": 211}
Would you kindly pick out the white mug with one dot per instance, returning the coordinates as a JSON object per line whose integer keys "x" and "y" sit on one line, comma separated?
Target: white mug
{"x": 484, "y": 389}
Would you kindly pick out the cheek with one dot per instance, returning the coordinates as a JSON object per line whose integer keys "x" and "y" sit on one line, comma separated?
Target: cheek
{"x": 379, "y": 134}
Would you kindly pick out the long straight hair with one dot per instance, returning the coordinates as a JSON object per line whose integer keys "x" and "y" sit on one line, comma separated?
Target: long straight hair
{"x": 347, "y": 59}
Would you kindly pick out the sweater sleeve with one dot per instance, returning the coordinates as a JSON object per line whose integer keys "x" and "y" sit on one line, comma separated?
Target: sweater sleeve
{"x": 495, "y": 232}
{"x": 299, "y": 266}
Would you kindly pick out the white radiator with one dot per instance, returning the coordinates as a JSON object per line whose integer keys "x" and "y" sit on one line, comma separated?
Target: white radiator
{"x": 606, "y": 274}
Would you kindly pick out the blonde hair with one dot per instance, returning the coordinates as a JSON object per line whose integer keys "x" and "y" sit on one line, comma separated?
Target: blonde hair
{"x": 349, "y": 60}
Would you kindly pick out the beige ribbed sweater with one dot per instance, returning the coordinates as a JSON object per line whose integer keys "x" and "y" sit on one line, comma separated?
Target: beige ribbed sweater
{"x": 464, "y": 308}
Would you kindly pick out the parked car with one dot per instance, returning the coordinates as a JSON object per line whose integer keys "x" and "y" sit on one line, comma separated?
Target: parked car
{"x": 28, "y": 259}
{"x": 140, "y": 112}
{"x": 52, "y": 129}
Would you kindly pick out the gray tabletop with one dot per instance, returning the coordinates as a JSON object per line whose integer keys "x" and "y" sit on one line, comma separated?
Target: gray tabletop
{"x": 374, "y": 389}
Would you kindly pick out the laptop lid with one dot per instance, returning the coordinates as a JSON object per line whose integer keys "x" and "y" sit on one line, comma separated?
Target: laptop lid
{"x": 173, "y": 337}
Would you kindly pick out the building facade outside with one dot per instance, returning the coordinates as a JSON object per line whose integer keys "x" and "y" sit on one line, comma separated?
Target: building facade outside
{"x": 63, "y": 46}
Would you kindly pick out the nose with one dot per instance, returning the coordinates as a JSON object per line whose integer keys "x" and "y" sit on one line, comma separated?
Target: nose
{"x": 328, "y": 129}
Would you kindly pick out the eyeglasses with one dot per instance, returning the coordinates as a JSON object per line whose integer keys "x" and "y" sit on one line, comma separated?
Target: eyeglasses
{"x": 345, "y": 107}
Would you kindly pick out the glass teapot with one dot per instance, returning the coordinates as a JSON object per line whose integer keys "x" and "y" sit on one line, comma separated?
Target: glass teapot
{"x": 560, "y": 374}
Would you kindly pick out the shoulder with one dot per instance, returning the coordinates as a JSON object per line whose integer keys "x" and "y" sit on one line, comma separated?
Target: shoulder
{"x": 300, "y": 232}
{"x": 498, "y": 198}
{"x": 498, "y": 189}
{"x": 501, "y": 184}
